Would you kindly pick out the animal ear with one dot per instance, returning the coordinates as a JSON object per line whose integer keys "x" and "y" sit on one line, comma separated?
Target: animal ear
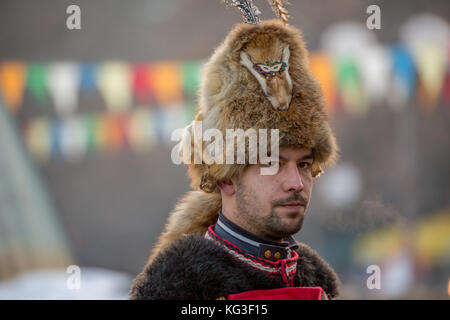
{"x": 286, "y": 55}
{"x": 245, "y": 61}
{"x": 285, "y": 59}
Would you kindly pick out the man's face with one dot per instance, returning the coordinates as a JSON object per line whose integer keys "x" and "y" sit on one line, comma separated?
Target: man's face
{"x": 273, "y": 206}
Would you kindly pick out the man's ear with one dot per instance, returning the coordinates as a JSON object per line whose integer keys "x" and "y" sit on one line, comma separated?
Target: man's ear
{"x": 227, "y": 187}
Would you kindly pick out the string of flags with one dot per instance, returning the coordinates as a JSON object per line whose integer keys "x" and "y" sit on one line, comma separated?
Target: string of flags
{"x": 143, "y": 102}
{"x": 393, "y": 76}
{"x": 73, "y": 136}
{"x": 120, "y": 84}
{"x": 361, "y": 72}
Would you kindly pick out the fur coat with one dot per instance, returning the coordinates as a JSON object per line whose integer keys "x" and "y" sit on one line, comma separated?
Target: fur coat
{"x": 195, "y": 268}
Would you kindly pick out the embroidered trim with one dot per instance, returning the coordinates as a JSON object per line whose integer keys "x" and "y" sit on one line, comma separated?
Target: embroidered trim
{"x": 285, "y": 267}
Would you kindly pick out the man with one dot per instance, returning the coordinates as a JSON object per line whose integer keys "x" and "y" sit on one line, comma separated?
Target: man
{"x": 231, "y": 238}
{"x": 251, "y": 241}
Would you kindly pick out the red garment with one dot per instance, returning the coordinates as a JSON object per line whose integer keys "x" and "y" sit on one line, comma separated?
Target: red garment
{"x": 289, "y": 293}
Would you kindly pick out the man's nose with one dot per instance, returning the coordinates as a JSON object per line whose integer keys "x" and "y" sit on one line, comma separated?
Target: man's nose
{"x": 293, "y": 180}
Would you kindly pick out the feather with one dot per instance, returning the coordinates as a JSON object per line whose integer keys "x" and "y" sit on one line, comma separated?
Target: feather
{"x": 249, "y": 11}
{"x": 279, "y": 10}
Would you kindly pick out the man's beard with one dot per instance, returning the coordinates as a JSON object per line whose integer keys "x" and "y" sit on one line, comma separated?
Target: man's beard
{"x": 268, "y": 226}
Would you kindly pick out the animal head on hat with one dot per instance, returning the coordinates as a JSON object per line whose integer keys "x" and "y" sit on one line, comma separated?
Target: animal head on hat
{"x": 273, "y": 76}
{"x": 265, "y": 57}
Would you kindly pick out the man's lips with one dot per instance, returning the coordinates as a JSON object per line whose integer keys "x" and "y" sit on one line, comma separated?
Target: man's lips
{"x": 292, "y": 205}
{"x": 292, "y": 202}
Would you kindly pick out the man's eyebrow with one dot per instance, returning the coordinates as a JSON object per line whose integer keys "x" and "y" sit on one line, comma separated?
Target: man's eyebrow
{"x": 306, "y": 156}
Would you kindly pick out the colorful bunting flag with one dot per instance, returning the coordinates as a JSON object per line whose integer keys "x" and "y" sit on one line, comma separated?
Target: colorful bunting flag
{"x": 431, "y": 64}
{"x": 170, "y": 119}
{"x": 427, "y": 37}
{"x": 110, "y": 132}
{"x": 141, "y": 83}
{"x": 158, "y": 115}
{"x": 374, "y": 67}
{"x": 167, "y": 83}
{"x": 351, "y": 91}
{"x": 117, "y": 131}
{"x": 151, "y": 128}
{"x": 56, "y": 128}
{"x": 37, "y": 82}
{"x": 190, "y": 71}
{"x": 73, "y": 138}
{"x": 63, "y": 79}
{"x": 101, "y": 132}
{"x": 90, "y": 127}
{"x": 114, "y": 81}
{"x": 88, "y": 76}
{"x": 322, "y": 68}
{"x": 141, "y": 130}
{"x": 37, "y": 138}
{"x": 403, "y": 77}
{"x": 12, "y": 83}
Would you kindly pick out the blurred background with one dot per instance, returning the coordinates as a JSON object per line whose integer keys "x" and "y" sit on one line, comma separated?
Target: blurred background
{"x": 86, "y": 116}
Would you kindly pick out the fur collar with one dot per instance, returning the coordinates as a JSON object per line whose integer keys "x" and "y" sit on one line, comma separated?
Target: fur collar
{"x": 197, "y": 268}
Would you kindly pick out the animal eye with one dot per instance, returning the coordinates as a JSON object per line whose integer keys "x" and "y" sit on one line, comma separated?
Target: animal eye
{"x": 276, "y": 67}
{"x": 265, "y": 69}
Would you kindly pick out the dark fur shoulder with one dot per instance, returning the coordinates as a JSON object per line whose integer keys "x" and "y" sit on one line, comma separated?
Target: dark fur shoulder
{"x": 194, "y": 268}
{"x": 313, "y": 271}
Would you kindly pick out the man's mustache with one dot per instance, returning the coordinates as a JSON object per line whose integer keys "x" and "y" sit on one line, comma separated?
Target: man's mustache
{"x": 294, "y": 197}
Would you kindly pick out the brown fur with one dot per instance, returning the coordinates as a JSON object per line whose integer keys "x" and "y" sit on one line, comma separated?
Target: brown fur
{"x": 278, "y": 86}
{"x": 231, "y": 97}
{"x": 194, "y": 213}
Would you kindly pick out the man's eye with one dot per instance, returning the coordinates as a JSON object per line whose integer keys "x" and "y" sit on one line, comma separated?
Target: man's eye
{"x": 304, "y": 165}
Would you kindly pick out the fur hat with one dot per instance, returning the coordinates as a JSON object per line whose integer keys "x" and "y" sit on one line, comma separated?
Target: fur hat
{"x": 257, "y": 78}
{"x": 236, "y": 93}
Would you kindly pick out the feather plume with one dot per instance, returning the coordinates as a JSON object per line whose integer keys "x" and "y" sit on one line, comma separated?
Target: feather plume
{"x": 249, "y": 11}
{"x": 279, "y": 10}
